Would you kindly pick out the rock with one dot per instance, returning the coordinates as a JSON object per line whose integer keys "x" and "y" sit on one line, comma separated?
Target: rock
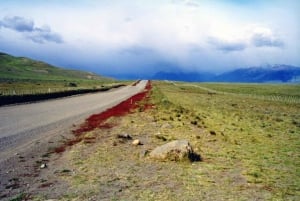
{"x": 124, "y": 136}
{"x": 137, "y": 142}
{"x": 177, "y": 150}
{"x": 44, "y": 165}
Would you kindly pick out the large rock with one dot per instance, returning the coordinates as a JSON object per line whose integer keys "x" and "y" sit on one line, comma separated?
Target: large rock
{"x": 177, "y": 150}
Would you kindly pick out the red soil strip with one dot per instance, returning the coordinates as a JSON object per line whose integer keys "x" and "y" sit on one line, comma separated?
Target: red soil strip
{"x": 123, "y": 108}
{"x": 98, "y": 120}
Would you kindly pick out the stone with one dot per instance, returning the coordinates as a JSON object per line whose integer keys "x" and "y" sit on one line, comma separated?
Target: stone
{"x": 136, "y": 142}
{"x": 177, "y": 150}
{"x": 44, "y": 165}
{"x": 124, "y": 136}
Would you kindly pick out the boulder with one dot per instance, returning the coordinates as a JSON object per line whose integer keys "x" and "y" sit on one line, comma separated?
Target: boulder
{"x": 177, "y": 150}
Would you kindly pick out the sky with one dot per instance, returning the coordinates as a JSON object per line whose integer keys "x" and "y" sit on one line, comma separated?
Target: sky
{"x": 142, "y": 37}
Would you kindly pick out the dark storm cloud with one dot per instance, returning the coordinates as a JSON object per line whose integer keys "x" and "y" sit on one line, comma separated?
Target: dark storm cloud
{"x": 226, "y": 46}
{"x": 29, "y": 30}
{"x": 261, "y": 40}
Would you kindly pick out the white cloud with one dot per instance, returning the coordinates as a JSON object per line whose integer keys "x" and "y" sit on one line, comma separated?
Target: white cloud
{"x": 190, "y": 34}
{"x": 27, "y": 28}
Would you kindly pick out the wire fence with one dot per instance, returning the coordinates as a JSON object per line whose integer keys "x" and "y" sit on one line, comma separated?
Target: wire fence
{"x": 19, "y": 92}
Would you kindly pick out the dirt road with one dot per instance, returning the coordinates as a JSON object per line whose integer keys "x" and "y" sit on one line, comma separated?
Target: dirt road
{"x": 22, "y": 123}
{"x": 29, "y": 131}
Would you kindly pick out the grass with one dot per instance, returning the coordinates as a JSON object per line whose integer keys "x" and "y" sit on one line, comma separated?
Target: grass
{"x": 19, "y": 76}
{"x": 274, "y": 92}
{"x": 21, "y": 68}
{"x": 249, "y": 146}
{"x": 260, "y": 137}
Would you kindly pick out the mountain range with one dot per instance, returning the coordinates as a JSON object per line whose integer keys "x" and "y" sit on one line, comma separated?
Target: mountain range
{"x": 21, "y": 68}
{"x": 276, "y": 73}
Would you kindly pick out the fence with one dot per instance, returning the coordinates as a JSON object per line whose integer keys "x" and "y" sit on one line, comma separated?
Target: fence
{"x": 20, "y": 92}
{"x": 12, "y": 96}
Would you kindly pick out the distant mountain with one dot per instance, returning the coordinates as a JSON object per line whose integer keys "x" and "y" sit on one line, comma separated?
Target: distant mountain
{"x": 22, "y": 68}
{"x": 276, "y": 73}
{"x": 181, "y": 76}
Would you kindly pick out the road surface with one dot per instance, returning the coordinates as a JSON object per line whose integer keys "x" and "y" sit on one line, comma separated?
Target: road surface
{"x": 20, "y": 124}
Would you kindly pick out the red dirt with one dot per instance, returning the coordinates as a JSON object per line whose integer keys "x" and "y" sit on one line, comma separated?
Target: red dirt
{"x": 125, "y": 107}
{"x": 98, "y": 120}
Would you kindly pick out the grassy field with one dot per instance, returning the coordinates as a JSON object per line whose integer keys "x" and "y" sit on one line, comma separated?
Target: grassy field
{"x": 276, "y": 92}
{"x": 20, "y": 75}
{"x": 250, "y": 148}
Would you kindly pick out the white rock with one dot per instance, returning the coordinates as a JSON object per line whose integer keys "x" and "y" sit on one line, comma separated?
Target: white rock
{"x": 44, "y": 165}
{"x": 177, "y": 150}
{"x": 136, "y": 142}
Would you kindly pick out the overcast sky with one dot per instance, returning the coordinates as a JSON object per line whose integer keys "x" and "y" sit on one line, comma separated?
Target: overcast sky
{"x": 139, "y": 36}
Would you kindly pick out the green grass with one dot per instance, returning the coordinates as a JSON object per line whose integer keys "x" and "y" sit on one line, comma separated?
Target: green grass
{"x": 258, "y": 137}
{"x": 21, "y": 68}
{"x": 19, "y": 75}
{"x": 273, "y": 92}
{"x": 255, "y": 89}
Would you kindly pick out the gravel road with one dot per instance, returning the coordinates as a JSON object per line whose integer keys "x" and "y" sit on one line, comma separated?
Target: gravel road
{"x": 21, "y": 124}
{"x": 29, "y": 131}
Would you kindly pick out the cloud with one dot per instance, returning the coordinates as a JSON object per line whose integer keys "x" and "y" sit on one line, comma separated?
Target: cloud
{"x": 227, "y": 46}
{"x": 40, "y": 35}
{"x": 191, "y": 3}
{"x": 18, "y": 24}
{"x": 247, "y": 37}
{"x": 262, "y": 40}
{"x": 130, "y": 36}
{"x": 137, "y": 50}
{"x": 28, "y": 29}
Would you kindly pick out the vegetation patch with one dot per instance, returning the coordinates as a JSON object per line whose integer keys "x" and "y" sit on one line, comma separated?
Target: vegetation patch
{"x": 26, "y": 80}
{"x": 249, "y": 150}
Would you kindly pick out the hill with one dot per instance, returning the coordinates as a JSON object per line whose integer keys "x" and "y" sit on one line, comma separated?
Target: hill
{"x": 25, "y": 69}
